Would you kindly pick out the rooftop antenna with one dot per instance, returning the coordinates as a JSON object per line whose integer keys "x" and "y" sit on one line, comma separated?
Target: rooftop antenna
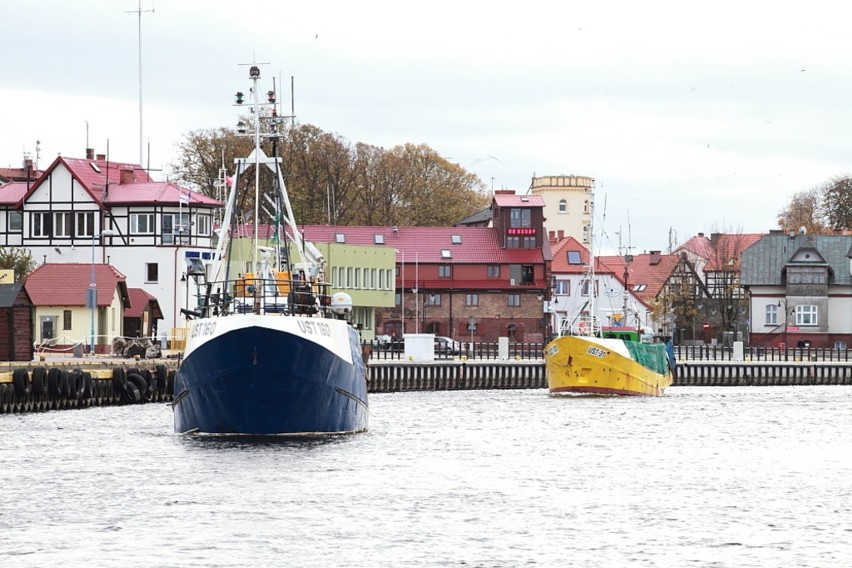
{"x": 139, "y": 11}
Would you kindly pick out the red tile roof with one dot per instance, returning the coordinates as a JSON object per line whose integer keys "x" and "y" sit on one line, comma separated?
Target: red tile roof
{"x": 512, "y": 200}
{"x": 155, "y": 192}
{"x": 138, "y": 187}
{"x": 478, "y": 245}
{"x": 139, "y": 300}
{"x": 65, "y": 284}
{"x": 559, "y": 252}
{"x": 719, "y": 248}
{"x": 12, "y": 194}
{"x": 652, "y": 270}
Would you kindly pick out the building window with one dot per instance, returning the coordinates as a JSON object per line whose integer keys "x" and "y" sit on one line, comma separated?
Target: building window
{"x": 562, "y": 288}
{"x": 66, "y": 320}
{"x": 141, "y": 223}
{"x": 513, "y": 242}
{"x": 152, "y": 272}
{"x": 445, "y": 271}
{"x": 203, "y": 228}
{"x": 563, "y": 206}
{"x": 529, "y": 242}
{"x": 16, "y": 221}
{"x": 806, "y": 315}
{"x": 471, "y": 299}
{"x": 584, "y": 288}
{"x": 397, "y": 298}
{"x": 574, "y": 257}
{"x": 771, "y": 314}
{"x": 63, "y": 224}
{"x": 357, "y": 283}
{"x": 513, "y": 300}
{"x": 85, "y": 224}
{"x": 433, "y": 300}
{"x": 494, "y": 271}
{"x": 40, "y": 224}
{"x": 175, "y": 228}
{"x": 349, "y": 280}
{"x": 520, "y": 217}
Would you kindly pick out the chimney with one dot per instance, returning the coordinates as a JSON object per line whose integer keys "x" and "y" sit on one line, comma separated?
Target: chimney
{"x": 126, "y": 176}
{"x": 90, "y": 153}
{"x": 100, "y": 157}
{"x": 560, "y": 234}
{"x": 655, "y": 258}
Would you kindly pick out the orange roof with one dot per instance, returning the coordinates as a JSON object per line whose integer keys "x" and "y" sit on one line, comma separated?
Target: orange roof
{"x": 646, "y": 275}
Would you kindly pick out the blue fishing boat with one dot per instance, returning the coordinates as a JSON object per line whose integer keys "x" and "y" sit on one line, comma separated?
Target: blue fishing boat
{"x": 269, "y": 350}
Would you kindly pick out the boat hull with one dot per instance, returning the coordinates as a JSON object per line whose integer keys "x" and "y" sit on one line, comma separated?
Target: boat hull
{"x": 602, "y": 366}
{"x": 271, "y": 375}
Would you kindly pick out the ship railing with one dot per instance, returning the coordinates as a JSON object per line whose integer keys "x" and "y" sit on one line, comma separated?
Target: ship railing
{"x": 261, "y": 296}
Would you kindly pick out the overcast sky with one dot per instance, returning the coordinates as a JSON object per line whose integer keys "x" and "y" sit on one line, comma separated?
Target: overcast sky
{"x": 691, "y": 117}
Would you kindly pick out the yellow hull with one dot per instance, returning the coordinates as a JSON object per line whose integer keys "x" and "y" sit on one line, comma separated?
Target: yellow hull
{"x": 576, "y": 364}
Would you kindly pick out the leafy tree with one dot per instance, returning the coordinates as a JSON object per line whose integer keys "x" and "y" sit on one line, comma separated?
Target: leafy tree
{"x": 18, "y": 259}
{"x": 330, "y": 181}
{"x": 805, "y": 211}
{"x": 836, "y": 202}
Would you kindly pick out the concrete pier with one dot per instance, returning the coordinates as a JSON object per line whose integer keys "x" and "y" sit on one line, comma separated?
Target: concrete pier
{"x": 56, "y": 386}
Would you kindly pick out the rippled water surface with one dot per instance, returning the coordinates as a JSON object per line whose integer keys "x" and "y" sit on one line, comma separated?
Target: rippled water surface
{"x": 701, "y": 477}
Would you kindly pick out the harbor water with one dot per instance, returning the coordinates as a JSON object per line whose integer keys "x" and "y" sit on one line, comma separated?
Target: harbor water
{"x": 704, "y": 476}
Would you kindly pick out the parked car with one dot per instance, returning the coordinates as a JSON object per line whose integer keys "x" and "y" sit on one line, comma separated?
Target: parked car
{"x": 447, "y": 346}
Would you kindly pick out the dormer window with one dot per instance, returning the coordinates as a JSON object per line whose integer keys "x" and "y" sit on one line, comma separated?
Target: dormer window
{"x": 379, "y": 239}
{"x": 95, "y": 167}
{"x": 456, "y": 239}
{"x": 445, "y": 253}
{"x": 340, "y": 238}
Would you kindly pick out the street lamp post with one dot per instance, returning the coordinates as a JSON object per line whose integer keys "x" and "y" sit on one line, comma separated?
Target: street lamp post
{"x": 93, "y": 290}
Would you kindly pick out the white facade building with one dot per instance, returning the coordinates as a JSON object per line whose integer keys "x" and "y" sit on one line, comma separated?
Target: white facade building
{"x": 92, "y": 211}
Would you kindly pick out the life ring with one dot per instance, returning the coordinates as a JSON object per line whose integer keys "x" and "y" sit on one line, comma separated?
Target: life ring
{"x": 21, "y": 381}
{"x": 582, "y": 327}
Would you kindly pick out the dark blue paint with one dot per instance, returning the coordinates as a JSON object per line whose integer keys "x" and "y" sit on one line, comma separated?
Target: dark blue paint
{"x": 261, "y": 381}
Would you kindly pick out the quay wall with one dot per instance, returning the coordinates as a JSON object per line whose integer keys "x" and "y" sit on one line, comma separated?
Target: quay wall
{"x": 473, "y": 375}
{"x": 56, "y": 386}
